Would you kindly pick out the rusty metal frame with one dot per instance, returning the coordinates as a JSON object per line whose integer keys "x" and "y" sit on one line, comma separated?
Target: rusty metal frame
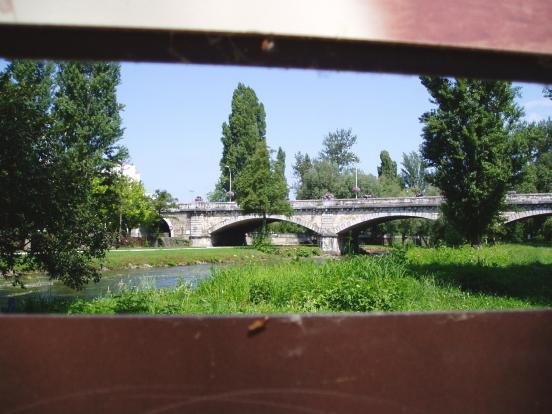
{"x": 503, "y": 39}
{"x": 446, "y": 362}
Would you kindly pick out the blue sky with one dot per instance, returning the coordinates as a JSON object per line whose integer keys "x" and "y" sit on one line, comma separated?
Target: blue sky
{"x": 174, "y": 112}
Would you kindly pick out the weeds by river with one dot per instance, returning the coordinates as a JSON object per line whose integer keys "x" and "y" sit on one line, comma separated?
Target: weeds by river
{"x": 441, "y": 279}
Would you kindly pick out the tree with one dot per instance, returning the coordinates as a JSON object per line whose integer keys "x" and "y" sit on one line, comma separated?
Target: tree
{"x": 280, "y": 172}
{"x": 331, "y": 171}
{"x": 413, "y": 172}
{"x": 532, "y": 155}
{"x": 163, "y": 201}
{"x": 137, "y": 209}
{"x": 466, "y": 140}
{"x": 532, "y": 152}
{"x": 547, "y": 91}
{"x": 59, "y": 125}
{"x": 388, "y": 167}
{"x": 302, "y": 164}
{"x": 337, "y": 148}
{"x": 245, "y": 127}
{"x": 261, "y": 189}
{"x": 321, "y": 178}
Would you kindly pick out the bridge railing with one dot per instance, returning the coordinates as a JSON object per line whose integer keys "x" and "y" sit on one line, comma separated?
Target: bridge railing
{"x": 527, "y": 198}
{"x": 367, "y": 202}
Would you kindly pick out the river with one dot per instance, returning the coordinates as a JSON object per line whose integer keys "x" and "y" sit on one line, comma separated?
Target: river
{"x": 111, "y": 281}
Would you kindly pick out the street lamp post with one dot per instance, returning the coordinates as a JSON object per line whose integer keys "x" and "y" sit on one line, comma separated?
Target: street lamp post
{"x": 230, "y": 193}
{"x": 356, "y": 189}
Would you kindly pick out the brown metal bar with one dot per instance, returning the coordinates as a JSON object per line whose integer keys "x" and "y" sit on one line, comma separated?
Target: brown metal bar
{"x": 288, "y": 52}
{"x": 508, "y": 39}
{"x": 416, "y": 363}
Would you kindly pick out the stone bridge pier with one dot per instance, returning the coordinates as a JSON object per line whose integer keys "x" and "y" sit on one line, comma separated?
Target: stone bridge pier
{"x": 332, "y": 221}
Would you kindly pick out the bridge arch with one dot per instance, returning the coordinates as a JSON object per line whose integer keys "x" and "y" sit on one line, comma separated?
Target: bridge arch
{"x": 168, "y": 226}
{"x": 381, "y": 217}
{"x": 520, "y": 215}
{"x": 253, "y": 219}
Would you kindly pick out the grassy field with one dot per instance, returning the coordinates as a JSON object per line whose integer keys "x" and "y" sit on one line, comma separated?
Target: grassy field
{"x": 133, "y": 258}
{"x": 121, "y": 259}
{"x": 441, "y": 279}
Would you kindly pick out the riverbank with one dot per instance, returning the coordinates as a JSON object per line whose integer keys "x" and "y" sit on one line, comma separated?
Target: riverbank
{"x": 441, "y": 279}
{"x": 148, "y": 258}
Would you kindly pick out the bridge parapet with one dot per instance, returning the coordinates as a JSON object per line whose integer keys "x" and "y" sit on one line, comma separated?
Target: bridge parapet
{"x": 323, "y": 204}
{"x": 529, "y": 198}
{"x": 366, "y": 202}
{"x": 206, "y": 206}
{"x": 373, "y": 202}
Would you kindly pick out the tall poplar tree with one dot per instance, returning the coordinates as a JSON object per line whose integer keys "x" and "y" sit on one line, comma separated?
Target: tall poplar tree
{"x": 466, "y": 139}
{"x": 413, "y": 171}
{"x": 246, "y": 126}
{"x": 387, "y": 167}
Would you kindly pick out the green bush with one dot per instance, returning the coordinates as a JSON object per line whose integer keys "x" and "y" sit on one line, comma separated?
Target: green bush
{"x": 260, "y": 291}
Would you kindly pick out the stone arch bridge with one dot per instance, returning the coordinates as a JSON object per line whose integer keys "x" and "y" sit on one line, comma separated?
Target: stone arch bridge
{"x": 208, "y": 224}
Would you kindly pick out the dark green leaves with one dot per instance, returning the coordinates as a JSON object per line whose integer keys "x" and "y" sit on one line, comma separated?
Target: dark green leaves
{"x": 467, "y": 142}
{"x": 59, "y": 124}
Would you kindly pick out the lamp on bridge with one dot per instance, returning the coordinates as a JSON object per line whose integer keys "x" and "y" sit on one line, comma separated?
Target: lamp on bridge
{"x": 230, "y": 193}
{"x": 356, "y": 188}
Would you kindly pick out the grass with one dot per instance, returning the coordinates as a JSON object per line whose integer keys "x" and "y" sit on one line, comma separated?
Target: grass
{"x": 442, "y": 279}
{"x": 122, "y": 259}
{"x": 135, "y": 258}
{"x": 515, "y": 271}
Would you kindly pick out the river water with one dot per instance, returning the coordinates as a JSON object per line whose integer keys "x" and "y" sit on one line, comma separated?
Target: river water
{"x": 111, "y": 281}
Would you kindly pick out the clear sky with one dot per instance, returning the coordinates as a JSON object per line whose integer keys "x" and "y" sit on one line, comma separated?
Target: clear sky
{"x": 174, "y": 112}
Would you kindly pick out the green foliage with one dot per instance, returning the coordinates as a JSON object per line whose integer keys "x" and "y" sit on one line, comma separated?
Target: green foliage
{"x": 246, "y": 126}
{"x": 349, "y": 245}
{"x": 163, "y": 201}
{"x": 59, "y": 125}
{"x": 415, "y": 279}
{"x": 331, "y": 172}
{"x": 136, "y": 207}
{"x": 413, "y": 172}
{"x": 388, "y": 167}
{"x": 302, "y": 165}
{"x": 337, "y": 149}
{"x": 467, "y": 141}
{"x": 261, "y": 241}
{"x": 323, "y": 177}
{"x": 260, "y": 187}
{"x": 532, "y": 152}
{"x": 295, "y": 252}
{"x": 123, "y": 259}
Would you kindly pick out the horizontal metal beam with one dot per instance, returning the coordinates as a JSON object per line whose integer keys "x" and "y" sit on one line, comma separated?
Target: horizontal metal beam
{"x": 508, "y": 39}
{"x": 415, "y": 363}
